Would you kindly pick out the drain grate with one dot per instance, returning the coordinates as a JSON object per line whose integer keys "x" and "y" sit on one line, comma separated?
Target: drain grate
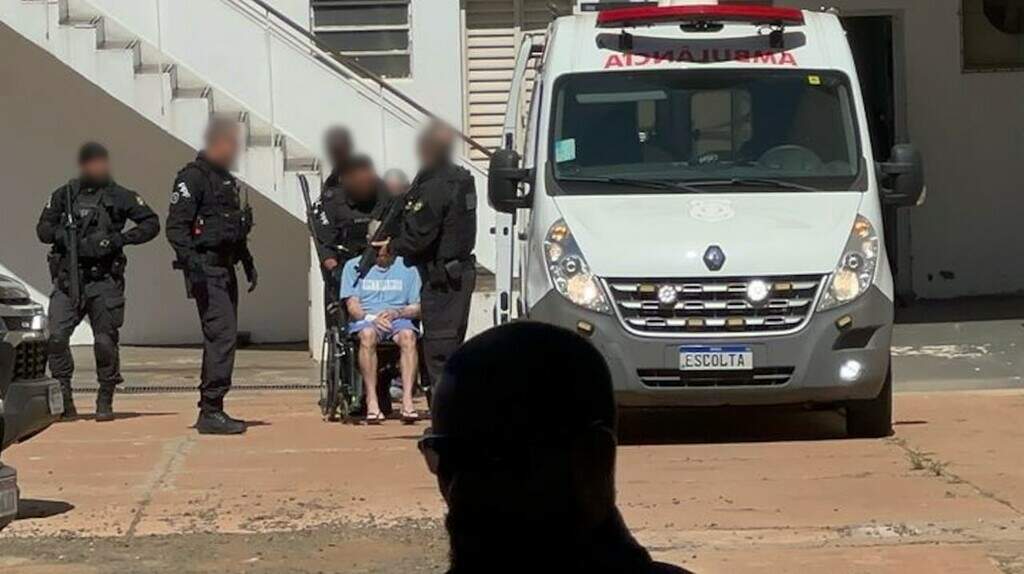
{"x": 168, "y": 389}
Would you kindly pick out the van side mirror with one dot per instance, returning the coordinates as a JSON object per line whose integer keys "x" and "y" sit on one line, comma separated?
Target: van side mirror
{"x": 902, "y": 180}
{"x": 503, "y": 181}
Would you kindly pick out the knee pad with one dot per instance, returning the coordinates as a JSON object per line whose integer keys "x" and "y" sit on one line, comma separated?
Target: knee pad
{"x": 58, "y": 344}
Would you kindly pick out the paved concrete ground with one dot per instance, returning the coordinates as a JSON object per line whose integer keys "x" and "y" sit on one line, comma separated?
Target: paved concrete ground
{"x": 718, "y": 491}
{"x": 779, "y": 492}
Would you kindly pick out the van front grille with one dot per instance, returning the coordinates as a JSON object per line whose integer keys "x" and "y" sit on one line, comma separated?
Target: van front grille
{"x": 765, "y": 377}
{"x": 30, "y": 361}
{"x": 713, "y": 305}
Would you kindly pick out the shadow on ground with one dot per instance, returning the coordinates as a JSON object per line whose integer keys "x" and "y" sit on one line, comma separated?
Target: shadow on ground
{"x": 118, "y": 416}
{"x": 29, "y": 508}
{"x": 729, "y": 424}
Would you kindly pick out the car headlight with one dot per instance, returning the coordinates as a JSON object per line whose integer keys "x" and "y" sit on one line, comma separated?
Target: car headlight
{"x": 856, "y": 269}
{"x": 9, "y": 290}
{"x": 569, "y": 271}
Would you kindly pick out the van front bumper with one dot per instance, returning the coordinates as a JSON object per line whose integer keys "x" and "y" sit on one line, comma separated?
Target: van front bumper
{"x": 27, "y": 406}
{"x": 814, "y": 353}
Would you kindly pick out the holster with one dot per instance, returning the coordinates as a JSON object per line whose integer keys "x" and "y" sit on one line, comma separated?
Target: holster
{"x": 437, "y": 276}
{"x": 192, "y": 272}
{"x": 446, "y": 274}
{"x": 453, "y": 271}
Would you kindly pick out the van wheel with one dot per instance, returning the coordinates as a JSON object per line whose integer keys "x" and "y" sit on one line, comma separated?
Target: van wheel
{"x": 871, "y": 418}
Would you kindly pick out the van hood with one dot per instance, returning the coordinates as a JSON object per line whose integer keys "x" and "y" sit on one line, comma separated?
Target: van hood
{"x": 650, "y": 236}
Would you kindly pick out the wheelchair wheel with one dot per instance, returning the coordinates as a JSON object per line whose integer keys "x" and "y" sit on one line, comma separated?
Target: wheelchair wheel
{"x": 349, "y": 387}
{"x": 329, "y": 378}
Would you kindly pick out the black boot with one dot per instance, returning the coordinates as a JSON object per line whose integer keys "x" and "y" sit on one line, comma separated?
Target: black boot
{"x": 216, "y": 422}
{"x": 70, "y": 412}
{"x": 105, "y": 404}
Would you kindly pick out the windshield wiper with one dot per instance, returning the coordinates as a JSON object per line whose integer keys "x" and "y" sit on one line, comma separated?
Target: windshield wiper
{"x": 647, "y": 183}
{"x": 750, "y": 182}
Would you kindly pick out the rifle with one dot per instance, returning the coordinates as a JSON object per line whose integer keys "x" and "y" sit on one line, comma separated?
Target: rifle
{"x": 71, "y": 230}
{"x": 388, "y": 228}
{"x": 311, "y": 217}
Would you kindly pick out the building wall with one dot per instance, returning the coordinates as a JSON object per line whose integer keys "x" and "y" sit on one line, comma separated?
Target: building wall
{"x": 966, "y": 240}
{"x": 436, "y": 30}
{"x": 46, "y": 111}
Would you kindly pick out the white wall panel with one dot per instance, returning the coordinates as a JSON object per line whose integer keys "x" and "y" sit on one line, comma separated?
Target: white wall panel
{"x": 52, "y": 111}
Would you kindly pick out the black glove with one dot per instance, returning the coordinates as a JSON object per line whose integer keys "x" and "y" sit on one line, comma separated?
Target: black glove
{"x": 249, "y": 266}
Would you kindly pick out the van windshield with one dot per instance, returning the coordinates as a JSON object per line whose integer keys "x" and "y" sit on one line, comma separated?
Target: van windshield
{"x": 707, "y": 130}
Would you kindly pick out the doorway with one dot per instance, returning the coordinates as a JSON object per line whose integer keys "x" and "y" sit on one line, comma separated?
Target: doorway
{"x": 876, "y": 41}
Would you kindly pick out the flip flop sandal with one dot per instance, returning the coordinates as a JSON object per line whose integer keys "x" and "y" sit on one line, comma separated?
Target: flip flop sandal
{"x": 375, "y": 418}
{"x": 410, "y": 417}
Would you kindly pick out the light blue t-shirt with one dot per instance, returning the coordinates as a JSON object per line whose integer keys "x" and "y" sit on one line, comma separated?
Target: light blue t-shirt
{"x": 382, "y": 289}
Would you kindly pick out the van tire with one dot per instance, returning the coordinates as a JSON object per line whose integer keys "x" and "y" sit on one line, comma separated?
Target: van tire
{"x": 871, "y": 418}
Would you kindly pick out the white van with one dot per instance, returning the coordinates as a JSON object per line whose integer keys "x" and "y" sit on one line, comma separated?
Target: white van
{"x": 696, "y": 193}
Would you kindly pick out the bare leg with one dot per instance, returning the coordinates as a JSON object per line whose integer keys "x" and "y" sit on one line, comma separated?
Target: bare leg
{"x": 368, "y": 367}
{"x": 410, "y": 366}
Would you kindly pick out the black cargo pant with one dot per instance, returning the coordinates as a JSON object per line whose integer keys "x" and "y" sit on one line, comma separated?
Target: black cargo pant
{"x": 103, "y": 303}
{"x": 444, "y": 309}
{"x": 216, "y": 295}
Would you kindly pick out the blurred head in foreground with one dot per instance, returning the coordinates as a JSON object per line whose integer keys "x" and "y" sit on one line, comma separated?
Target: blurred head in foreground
{"x": 523, "y": 447}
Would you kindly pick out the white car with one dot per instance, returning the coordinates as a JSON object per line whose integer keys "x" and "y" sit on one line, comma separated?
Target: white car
{"x": 29, "y": 400}
{"x": 696, "y": 194}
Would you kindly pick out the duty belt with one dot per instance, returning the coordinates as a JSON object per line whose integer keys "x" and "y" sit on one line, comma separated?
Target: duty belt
{"x": 218, "y": 259}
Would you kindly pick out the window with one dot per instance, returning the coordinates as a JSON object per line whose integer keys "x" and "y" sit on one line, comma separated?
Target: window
{"x": 373, "y": 32}
{"x": 993, "y": 34}
{"x": 721, "y": 121}
{"x": 684, "y": 126}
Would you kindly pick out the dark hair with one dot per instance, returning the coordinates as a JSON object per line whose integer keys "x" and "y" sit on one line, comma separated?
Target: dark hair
{"x": 337, "y": 136}
{"x": 357, "y": 162}
{"x": 220, "y": 127}
{"x": 90, "y": 151}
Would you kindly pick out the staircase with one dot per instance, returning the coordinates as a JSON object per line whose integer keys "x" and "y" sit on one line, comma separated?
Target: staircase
{"x": 179, "y": 62}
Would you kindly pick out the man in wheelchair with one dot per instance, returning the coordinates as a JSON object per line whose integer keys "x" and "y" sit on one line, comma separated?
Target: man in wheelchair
{"x": 384, "y": 306}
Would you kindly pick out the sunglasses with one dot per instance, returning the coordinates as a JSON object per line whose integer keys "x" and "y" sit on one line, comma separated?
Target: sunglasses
{"x": 457, "y": 452}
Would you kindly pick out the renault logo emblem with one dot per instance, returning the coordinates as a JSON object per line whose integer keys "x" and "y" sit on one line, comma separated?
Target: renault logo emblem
{"x": 714, "y": 258}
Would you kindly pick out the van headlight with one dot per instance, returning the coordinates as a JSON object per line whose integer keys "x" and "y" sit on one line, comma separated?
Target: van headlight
{"x": 39, "y": 322}
{"x": 856, "y": 269}
{"x": 569, "y": 271}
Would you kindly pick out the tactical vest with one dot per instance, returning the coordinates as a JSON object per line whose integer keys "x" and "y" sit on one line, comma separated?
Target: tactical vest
{"x": 222, "y": 222}
{"x": 458, "y": 229}
{"x": 92, "y": 209}
{"x": 348, "y": 225}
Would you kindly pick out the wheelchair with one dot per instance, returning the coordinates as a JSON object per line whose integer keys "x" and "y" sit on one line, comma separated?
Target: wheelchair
{"x": 342, "y": 392}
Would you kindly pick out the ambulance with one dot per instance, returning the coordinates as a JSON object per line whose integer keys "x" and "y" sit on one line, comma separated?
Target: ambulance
{"x": 693, "y": 189}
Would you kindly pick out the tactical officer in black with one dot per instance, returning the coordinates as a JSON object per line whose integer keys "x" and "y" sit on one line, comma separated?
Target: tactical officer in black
{"x": 208, "y": 226}
{"x": 438, "y": 235}
{"x": 99, "y": 211}
{"x": 352, "y": 198}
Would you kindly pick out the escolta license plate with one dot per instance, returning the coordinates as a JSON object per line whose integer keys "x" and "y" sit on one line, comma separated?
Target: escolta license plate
{"x": 56, "y": 400}
{"x": 8, "y": 497}
{"x": 726, "y": 358}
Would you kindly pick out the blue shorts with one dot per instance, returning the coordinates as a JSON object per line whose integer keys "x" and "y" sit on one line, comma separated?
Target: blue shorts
{"x": 397, "y": 325}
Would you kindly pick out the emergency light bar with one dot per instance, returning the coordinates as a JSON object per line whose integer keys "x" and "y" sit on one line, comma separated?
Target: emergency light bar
{"x": 651, "y": 15}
